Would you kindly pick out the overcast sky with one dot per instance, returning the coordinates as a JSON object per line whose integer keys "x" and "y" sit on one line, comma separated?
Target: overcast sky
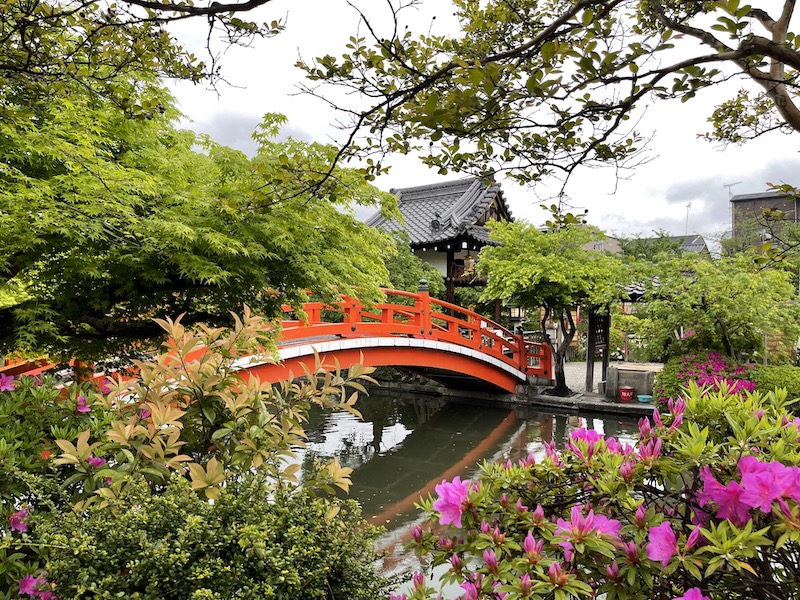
{"x": 682, "y": 169}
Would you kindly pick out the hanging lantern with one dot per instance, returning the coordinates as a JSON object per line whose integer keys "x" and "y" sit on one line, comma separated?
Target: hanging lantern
{"x": 469, "y": 263}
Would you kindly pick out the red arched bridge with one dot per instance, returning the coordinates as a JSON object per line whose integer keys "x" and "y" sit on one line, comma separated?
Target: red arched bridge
{"x": 446, "y": 342}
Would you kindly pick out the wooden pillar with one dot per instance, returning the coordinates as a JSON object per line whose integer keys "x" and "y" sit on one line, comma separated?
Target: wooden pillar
{"x": 598, "y": 339}
{"x": 450, "y": 283}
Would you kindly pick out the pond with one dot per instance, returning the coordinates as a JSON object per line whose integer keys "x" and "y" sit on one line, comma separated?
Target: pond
{"x": 406, "y": 444}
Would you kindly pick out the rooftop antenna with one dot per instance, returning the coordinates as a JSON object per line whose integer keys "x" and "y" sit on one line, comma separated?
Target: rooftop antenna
{"x": 729, "y": 186}
{"x": 688, "y": 208}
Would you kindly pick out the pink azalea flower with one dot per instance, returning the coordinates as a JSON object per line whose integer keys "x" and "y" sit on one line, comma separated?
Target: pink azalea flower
{"x": 96, "y": 461}
{"x": 581, "y": 527}
{"x": 416, "y": 533}
{"x": 533, "y": 549}
{"x": 490, "y": 558}
{"x": 663, "y": 544}
{"x": 761, "y": 490}
{"x": 83, "y": 405}
{"x": 556, "y": 575}
{"x": 693, "y": 594}
{"x": 452, "y": 497}
{"x": 6, "y": 383}
{"x": 418, "y": 580}
{"x": 470, "y": 590}
{"x": 613, "y": 570}
{"x": 644, "y": 428}
{"x": 398, "y": 597}
{"x": 631, "y": 551}
{"x": 537, "y": 516}
{"x": 456, "y": 563}
{"x": 693, "y": 538}
{"x": 525, "y": 584}
{"x": 17, "y": 520}
{"x": 640, "y": 518}
{"x": 731, "y": 507}
{"x": 29, "y": 585}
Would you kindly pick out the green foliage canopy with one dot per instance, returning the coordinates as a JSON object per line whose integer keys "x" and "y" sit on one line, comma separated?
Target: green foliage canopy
{"x": 110, "y": 221}
{"x": 727, "y": 305}
{"x": 557, "y": 269}
{"x": 539, "y": 87}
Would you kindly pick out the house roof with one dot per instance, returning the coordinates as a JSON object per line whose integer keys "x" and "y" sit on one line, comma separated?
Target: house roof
{"x": 758, "y": 196}
{"x": 442, "y": 211}
{"x": 690, "y": 243}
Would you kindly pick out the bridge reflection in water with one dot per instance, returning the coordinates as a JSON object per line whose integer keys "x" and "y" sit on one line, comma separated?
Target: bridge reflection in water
{"x": 406, "y": 445}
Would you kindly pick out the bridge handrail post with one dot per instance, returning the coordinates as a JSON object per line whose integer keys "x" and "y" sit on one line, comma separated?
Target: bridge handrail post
{"x": 352, "y": 311}
{"x": 522, "y": 352}
{"x": 424, "y": 307}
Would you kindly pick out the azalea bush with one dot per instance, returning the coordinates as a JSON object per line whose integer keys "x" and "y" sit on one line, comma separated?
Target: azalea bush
{"x": 186, "y": 429}
{"x": 706, "y": 505}
{"x": 710, "y": 369}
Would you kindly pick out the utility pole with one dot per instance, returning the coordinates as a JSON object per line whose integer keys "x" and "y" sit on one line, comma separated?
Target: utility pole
{"x": 686, "y": 229}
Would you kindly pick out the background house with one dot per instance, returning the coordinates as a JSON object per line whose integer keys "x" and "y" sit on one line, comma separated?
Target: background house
{"x": 747, "y": 213}
{"x": 445, "y": 223}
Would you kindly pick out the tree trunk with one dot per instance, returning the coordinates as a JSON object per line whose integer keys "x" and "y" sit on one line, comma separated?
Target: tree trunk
{"x": 567, "y": 325}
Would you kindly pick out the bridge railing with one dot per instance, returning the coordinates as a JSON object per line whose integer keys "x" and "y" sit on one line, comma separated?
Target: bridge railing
{"x": 417, "y": 315}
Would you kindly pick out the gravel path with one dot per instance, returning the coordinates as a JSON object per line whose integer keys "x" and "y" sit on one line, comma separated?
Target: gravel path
{"x": 575, "y": 373}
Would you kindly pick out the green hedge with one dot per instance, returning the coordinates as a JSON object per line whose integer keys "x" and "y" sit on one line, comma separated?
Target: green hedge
{"x": 768, "y": 378}
{"x": 249, "y": 544}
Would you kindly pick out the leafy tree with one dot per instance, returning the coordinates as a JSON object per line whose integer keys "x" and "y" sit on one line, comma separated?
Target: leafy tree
{"x": 727, "y": 305}
{"x": 48, "y": 45}
{"x": 539, "y": 87}
{"x": 110, "y": 221}
{"x": 551, "y": 269}
{"x": 639, "y": 248}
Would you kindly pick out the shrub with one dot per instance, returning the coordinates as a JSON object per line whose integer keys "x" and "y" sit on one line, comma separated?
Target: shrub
{"x": 708, "y": 369}
{"x": 75, "y": 458}
{"x": 249, "y": 543}
{"x": 704, "y": 508}
{"x": 768, "y": 377}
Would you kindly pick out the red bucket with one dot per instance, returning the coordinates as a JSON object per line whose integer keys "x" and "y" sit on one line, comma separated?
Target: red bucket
{"x": 625, "y": 393}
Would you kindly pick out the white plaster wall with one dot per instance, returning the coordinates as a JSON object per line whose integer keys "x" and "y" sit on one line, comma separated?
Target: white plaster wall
{"x": 437, "y": 259}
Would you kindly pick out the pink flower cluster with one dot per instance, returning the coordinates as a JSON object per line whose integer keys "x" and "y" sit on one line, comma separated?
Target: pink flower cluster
{"x": 451, "y": 500}
{"x": 6, "y": 383}
{"x": 583, "y": 443}
{"x": 712, "y": 370}
{"x": 580, "y": 527}
{"x": 36, "y": 587}
{"x": 17, "y": 520}
{"x": 762, "y": 484}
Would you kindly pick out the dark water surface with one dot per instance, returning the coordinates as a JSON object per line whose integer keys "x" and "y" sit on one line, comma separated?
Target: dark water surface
{"x": 407, "y": 444}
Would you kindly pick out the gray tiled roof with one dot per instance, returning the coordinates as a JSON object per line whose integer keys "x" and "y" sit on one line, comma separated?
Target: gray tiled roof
{"x": 441, "y": 211}
{"x": 690, "y": 243}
